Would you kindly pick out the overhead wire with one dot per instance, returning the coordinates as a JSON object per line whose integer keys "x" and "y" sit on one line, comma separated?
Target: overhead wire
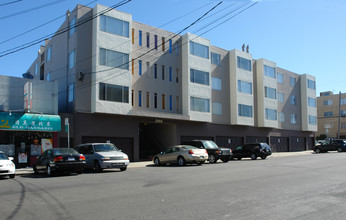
{"x": 9, "y": 3}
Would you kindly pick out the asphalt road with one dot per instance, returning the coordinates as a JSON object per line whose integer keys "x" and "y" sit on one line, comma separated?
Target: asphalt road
{"x": 311, "y": 186}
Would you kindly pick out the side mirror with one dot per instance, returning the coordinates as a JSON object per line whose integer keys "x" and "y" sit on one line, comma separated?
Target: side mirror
{"x": 10, "y": 158}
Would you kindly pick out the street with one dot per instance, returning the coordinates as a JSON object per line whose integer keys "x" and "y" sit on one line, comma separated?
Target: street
{"x": 310, "y": 186}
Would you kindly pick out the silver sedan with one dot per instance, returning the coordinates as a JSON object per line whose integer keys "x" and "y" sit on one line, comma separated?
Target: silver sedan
{"x": 181, "y": 155}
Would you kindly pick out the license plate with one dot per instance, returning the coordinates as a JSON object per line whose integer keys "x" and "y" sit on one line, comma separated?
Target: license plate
{"x": 71, "y": 159}
{"x": 202, "y": 157}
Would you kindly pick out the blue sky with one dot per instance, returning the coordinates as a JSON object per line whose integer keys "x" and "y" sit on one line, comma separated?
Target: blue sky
{"x": 302, "y": 36}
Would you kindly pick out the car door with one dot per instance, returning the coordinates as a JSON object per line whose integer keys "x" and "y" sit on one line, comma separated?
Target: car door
{"x": 38, "y": 162}
{"x": 166, "y": 155}
{"x": 237, "y": 152}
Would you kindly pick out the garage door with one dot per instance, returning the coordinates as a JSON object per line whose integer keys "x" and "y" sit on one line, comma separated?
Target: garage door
{"x": 229, "y": 142}
{"x": 297, "y": 144}
{"x": 279, "y": 144}
{"x": 256, "y": 139}
{"x": 123, "y": 143}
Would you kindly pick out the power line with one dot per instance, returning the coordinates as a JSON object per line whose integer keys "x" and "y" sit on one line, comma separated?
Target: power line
{"x": 9, "y": 3}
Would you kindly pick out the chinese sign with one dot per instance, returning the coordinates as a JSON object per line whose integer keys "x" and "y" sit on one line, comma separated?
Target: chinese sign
{"x": 29, "y": 122}
{"x": 28, "y": 95}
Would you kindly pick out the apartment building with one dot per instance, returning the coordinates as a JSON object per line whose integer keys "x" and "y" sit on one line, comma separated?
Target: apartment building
{"x": 145, "y": 88}
{"x": 331, "y": 112}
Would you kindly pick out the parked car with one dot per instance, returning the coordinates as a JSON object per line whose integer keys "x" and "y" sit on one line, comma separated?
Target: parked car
{"x": 338, "y": 145}
{"x": 99, "y": 156}
{"x": 59, "y": 160}
{"x": 214, "y": 152}
{"x": 7, "y": 167}
{"x": 181, "y": 155}
{"x": 252, "y": 150}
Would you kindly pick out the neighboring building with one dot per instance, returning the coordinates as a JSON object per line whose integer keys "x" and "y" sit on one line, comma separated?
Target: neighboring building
{"x": 328, "y": 114}
{"x": 145, "y": 88}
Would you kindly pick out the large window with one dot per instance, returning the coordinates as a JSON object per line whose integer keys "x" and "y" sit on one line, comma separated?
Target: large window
{"x": 114, "y": 26}
{"x": 343, "y": 113}
{"x": 328, "y": 114}
{"x": 271, "y": 114}
{"x": 281, "y": 116}
{"x": 200, "y": 77}
{"x": 281, "y": 97}
{"x": 311, "y": 102}
{"x": 216, "y": 83}
{"x": 199, "y": 50}
{"x": 280, "y": 78}
{"x": 72, "y": 27}
{"x": 245, "y": 110}
{"x": 269, "y": 71}
{"x": 244, "y": 87}
{"x": 293, "y": 100}
{"x": 312, "y": 120}
{"x": 293, "y": 118}
{"x": 199, "y": 104}
{"x": 292, "y": 81}
{"x": 215, "y": 58}
{"x": 343, "y": 101}
{"x": 311, "y": 84}
{"x": 217, "y": 108}
{"x": 243, "y": 63}
{"x": 115, "y": 93}
{"x": 71, "y": 59}
{"x": 114, "y": 59}
{"x": 270, "y": 92}
{"x": 328, "y": 102}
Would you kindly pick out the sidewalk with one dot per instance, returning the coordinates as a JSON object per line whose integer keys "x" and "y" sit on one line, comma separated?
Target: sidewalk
{"x": 29, "y": 170}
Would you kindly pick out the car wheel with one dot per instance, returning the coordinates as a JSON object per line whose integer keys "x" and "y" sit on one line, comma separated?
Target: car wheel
{"x": 157, "y": 161}
{"x": 12, "y": 176}
{"x": 263, "y": 157}
{"x": 123, "y": 168}
{"x": 239, "y": 158}
{"x": 97, "y": 167}
{"x": 212, "y": 159}
{"x": 317, "y": 150}
{"x": 225, "y": 160}
{"x": 35, "y": 170}
{"x": 49, "y": 171}
{"x": 339, "y": 149}
{"x": 181, "y": 161}
{"x": 253, "y": 156}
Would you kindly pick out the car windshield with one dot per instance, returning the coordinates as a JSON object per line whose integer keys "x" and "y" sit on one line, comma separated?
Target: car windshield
{"x": 210, "y": 145}
{"x": 105, "y": 147}
{"x": 265, "y": 146}
{"x": 61, "y": 151}
{"x": 3, "y": 157}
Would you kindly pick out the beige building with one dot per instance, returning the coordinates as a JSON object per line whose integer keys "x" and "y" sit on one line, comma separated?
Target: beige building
{"x": 329, "y": 106}
{"x": 145, "y": 88}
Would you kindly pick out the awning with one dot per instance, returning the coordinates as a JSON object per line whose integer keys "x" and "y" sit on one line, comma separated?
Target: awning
{"x": 29, "y": 122}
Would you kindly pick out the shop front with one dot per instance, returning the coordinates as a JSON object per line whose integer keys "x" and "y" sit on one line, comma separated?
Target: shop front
{"x": 25, "y": 136}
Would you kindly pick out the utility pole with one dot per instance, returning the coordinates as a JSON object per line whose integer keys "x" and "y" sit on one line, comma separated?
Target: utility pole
{"x": 339, "y": 124}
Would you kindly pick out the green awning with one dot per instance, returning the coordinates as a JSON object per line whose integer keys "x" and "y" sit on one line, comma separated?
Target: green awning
{"x": 29, "y": 122}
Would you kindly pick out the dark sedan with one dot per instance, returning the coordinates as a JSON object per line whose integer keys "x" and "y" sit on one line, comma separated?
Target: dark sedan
{"x": 60, "y": 160}
{"x": 252, "y": 150}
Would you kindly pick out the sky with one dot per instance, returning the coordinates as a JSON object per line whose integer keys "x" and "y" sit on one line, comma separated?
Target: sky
{"x": 302, "y": 36}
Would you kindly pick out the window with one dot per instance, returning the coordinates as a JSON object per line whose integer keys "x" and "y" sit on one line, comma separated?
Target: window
{"x": 148, "y": 40}
{"x": 199, "y": 104}
{"x": 343, "y": 113}
{"x": 170, "y": 103}
{"x": 312, "y": 120}
{"x": 311, "y": 102}
{"x": 177, "y": 48}
{"x": 133, "y": 66}
{"x": 215, "y": 58}
{"x": 281, "y": 116}
{"x": 271, "y": 114}
{"x": 133, "y": 97}
{"x": 148, "y": 69}
{"x": 343, "y": 125}
{"x": 293, "y": 119}
{"x": 328, "y": 114}
{"x": 217, "y": 108}
{"x": 133, "y": 35}
{"x": 244, "y": 87}
{"x": 49, "y": 54}
{"x": 71, "y": 59}
{"x": 311, "y": 84}
{"x": 155, "y": 71}
{"x": 216, "y": 83}
{"x": 48, "y": 76}
{"x": 170, "y": 74}
{"x": 114, "y": 59}
{"x": 72, "y": 27}
{"x": 343, "y": 101}
{"x": 163, "y": 72}
{"x": 155, "y": 100}
{"x": 140, "y": 38}
{"x": 293, "y": 100}
{"x": 270, "y": 92}
{"x": 36, "y": 68}
{"x": 140, "y": 98}
{"x": 148, "y": 96}
{"x": 71, "y": 93}
{"x": 328, "y": 102}
{"x": 170, "y": 46}
{"x": 177, "y": 103}
{"x": 199, "y": 50}
{"x": 328, "y": 125}
{"x": 163, "y": 101}
{"x": 114, "y": 26}
{"x": 245, "y": 110}
{"x": 115, "y": 93}
{"x": 280, "y": 78}
{"x": 280, "y": 97}
{"x": 140, "y": 67}
{"x": 269, "y": 71}
{"x": 163, "y": 44}
{"x": 243, "y": 63}
{"x": 292, "y": 81}
{"x": 200, "y": 77}
{"x": 177, "y": 76}
{"x": 155, "y": 38}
